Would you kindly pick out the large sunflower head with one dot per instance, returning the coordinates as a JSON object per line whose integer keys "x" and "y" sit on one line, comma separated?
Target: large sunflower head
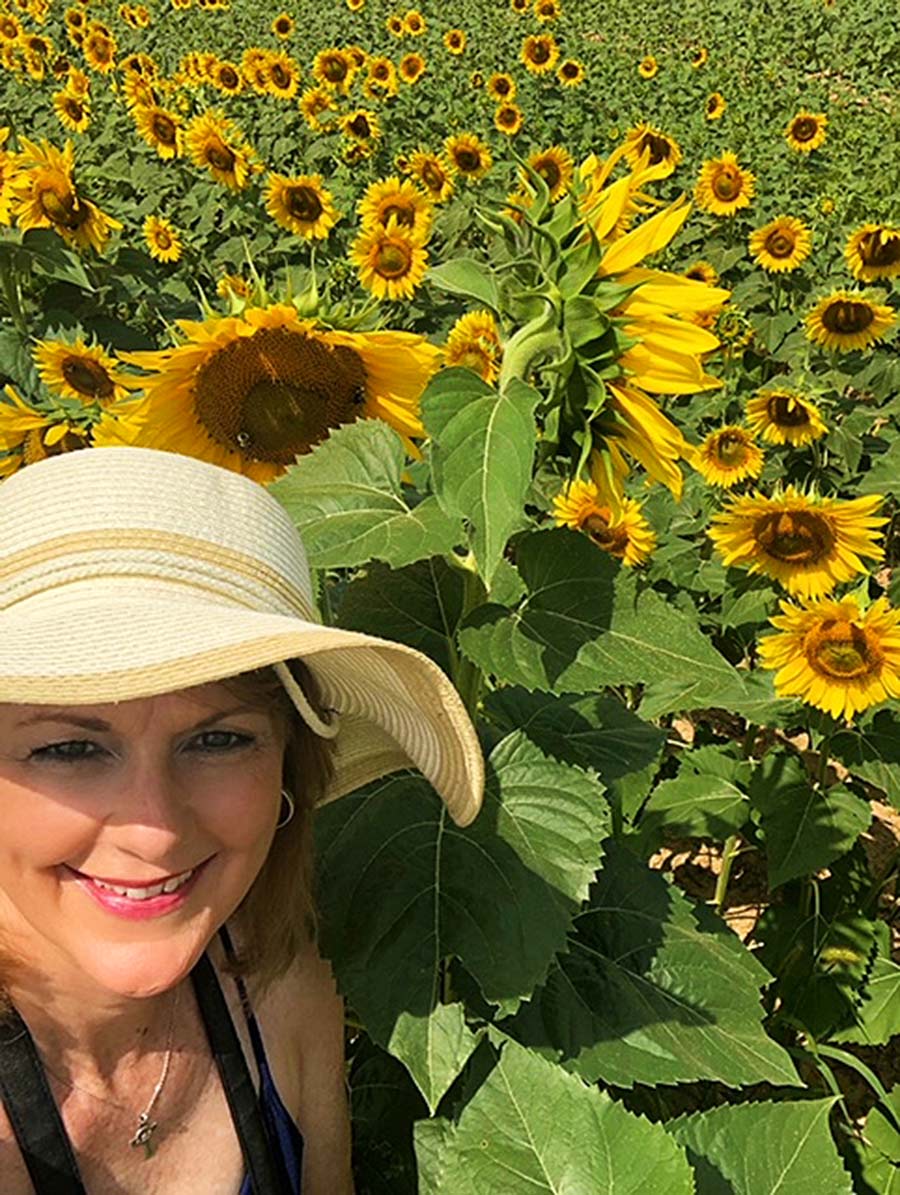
{"x": 781, "y": 245}
{"x": 28, "y": 435}
{"x": 806, "y": 131}
{"x": 555, "y": 166}
{"x": 282, "y": 75}
{"x": 847, "y": 320}
{"x": 539, "y": 53}
{"x": 834, "y": 656}
{"x": 334, "y": 68}
{"x": 873, "y": 252}
{"x": 468, "y": 155}
{"x": 646, "y": 145}
{"x": 806, "y": 543}
{"x": 213, "y": 143}
{"x": 726, "y": 456}
{"x": 251, "y": 393}
{"x": 161, "y": 129}
{"x": 782, "y": 416}
{"x": 80, "y": 371}
{"x": 44, "y": 196}
{"x": 163, "y": 240}
{"x": 623, "y": 532}
{"x": 434, "y": 172}
{"x": 403, "y": 202}
{"x": 391, "y": 262}
{"x": 723, "y": 187}
{"x": 474, "y": 342}
{"x": 301, "y": 205}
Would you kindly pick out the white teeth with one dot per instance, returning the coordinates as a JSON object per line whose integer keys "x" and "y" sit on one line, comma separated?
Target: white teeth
{"x": 147, "y": 893}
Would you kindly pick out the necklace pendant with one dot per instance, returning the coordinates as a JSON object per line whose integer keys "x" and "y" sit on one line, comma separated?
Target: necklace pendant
{"x": 145, "y": 1130}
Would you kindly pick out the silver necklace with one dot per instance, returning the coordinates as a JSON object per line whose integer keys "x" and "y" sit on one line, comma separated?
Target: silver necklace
{"x": 145, "y": 1126}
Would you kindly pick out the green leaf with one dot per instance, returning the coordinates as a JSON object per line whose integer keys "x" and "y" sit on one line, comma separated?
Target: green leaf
{"x": 878, "y": 1015}
{"x": 17, "y": 364}
{"x": 652, "y": 990}
{"x": 346, "y": 501}
{"x": 481, "y": 458}
{"x": 433, "y": 1048}
{"x": 419, "y": 605}
{"x": 464, "y": 276}
{"x": 883, "y": 476}
{"x": 875, "y": 1155}
{"x": 402, "y": 887}
{"x": 586, "y": 623}
{"x": 532, "y": 1129}
{"x": 46, "y": 253}
{"x": 872, "y": 751}
{"x": 752, "y": 1149}
{"x": 692, "y": 806}
{"x": 806, "y": 827}
{"x": 591, "y": 732}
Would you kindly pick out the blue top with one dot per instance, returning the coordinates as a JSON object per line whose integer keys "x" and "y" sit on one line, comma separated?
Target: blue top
{"x": 279, "y": 1124}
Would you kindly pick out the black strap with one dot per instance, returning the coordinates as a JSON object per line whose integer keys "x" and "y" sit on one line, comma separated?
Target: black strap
{"x": 33, "y": 1113}
{"x": 266, "y": 1177}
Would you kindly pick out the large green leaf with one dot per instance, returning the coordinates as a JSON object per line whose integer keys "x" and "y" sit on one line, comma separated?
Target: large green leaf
{"x": 878, "y": 1013}
{"x": 402, "y": 886}
{"x": 586, "y": 623}
{"x": 592, "y": 732}
{"x": 872, "y": 751}
{"x": 433, "y": 1048}
{"x": 419, "y": 605}
{"x": 693, "y": 805}
{"x": 532, "y": 1129}
{"x": 482, "y": 453}
{"x": 652, "y": 990}
{"x": 806, "y": 827}
{"x": 463, "y": 276}
{"x": 875, "y": 1159}
{"x": 763, "y": 1149}
{"x": 346, "y": 500}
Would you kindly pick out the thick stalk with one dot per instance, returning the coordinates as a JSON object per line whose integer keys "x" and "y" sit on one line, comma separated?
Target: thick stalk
{"x": 729, "y": 854}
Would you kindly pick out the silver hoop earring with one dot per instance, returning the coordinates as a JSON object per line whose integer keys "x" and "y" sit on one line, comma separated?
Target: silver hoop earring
{"x": 283, "y": 821}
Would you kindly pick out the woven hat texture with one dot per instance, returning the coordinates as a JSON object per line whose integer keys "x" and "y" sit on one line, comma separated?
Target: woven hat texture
{"x": 127, "y": 572}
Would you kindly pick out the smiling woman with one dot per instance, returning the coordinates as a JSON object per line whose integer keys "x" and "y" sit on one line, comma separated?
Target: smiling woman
{"x": 159, "y": 769}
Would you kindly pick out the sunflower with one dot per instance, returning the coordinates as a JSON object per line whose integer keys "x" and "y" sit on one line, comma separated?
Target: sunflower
{"x": 10, "y": 27}
{"x": 520, "y": 7}
{"x": 727, "y": 456}
{"x": 834, "y": 656}
{"x": 361, "y": 125}
{"x": 468, "y": 155}
{"x": 633, "y": 424}
{"x": 226, "y": 77}
{"x": 8, "y": 171}
{"x": 648, "y": 67}
{"x": 334, "y": 69}
{"x": 847, "y": 320}
{"x": 254, "y": 61}
{"x": 508, "y": 119}
{"x": 28, "y": 435}
{"x": 251, "y": 393}
{"x": 781, "y": 245}
{"x": 806, "y": 543}
{"x": 873, "y": 252}
{"x": 394, "y": 26}
{"x": 571, "y": 72}
{"x": 80, "y": 371}
{"x": 455, "y": 41}
{"x": 625, "y": 534}
{"x": 233, "y": 286}
{"x": 702, "y": 271}
{"x": 403, "y": 202}
{"x": 547, "y": 10}
{"x": 715, "y": 106}
{"x": 474, "y": 342}
{"x": 806, "y": 131}
{"x": 282, "y": 76}
{"x": 382, "y": 77}
{"x": 313, "y": 103}
{"x": 501, "y": 87}
{"x": 539, "y": 53}
{"x": 414, "y": 23}
{"x": 555, "y": 166}
{"x": 434, "y": 172}
{"x": 161, "y": 129}
{"x": 646, "y": 145}
{"x": 784, "y": 417}
{"x": 356, "y": 5}
{"x": 283, "y": 26}
{"x": 99, "y": 50}
{"x": 723, "y": 187}
{"x": 391, "y": 262}
{"x": 73, "y": 112}
{"x": 301, "y": 205}
{"x": 700, "y": 57}
{"x": 163, "y": 240}
{"x": 44, "y": 196}
{"x": 77, "y": 82}
{"x": 411, "y": 68}
{"x": 211, "y": 141}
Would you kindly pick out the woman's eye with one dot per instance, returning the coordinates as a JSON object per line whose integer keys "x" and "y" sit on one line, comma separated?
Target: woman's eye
{"x": 59, "y": 752}
{"x": 62, "y": 753}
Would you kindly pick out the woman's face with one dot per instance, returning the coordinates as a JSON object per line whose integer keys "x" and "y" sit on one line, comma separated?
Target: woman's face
{"x": 153, "y": 788}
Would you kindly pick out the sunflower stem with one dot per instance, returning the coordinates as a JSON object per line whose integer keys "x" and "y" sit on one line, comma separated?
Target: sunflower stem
{"x": 13, "y": 299}
{"x": 467, "y": 676}
{"x": 732, "y": 849}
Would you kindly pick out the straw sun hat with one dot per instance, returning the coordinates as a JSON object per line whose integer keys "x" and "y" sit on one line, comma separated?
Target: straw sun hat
{"x": 127, "y": 572}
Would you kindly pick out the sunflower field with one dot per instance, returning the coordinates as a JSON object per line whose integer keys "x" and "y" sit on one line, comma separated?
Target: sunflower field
{"x": 567, "y": 334}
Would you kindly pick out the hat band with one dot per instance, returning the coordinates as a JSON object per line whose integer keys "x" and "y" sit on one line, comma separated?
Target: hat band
{"x": 143, "y": 553}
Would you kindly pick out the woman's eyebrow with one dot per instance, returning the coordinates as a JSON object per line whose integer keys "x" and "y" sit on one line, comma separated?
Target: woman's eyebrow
{"x": 99, "y": 724}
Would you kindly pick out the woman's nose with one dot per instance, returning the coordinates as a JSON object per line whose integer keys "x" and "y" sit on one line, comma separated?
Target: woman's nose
{"x": 154, "y": 815}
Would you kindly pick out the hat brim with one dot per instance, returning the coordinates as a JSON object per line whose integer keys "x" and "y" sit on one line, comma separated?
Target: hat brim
{"x": 81, "y": 645}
